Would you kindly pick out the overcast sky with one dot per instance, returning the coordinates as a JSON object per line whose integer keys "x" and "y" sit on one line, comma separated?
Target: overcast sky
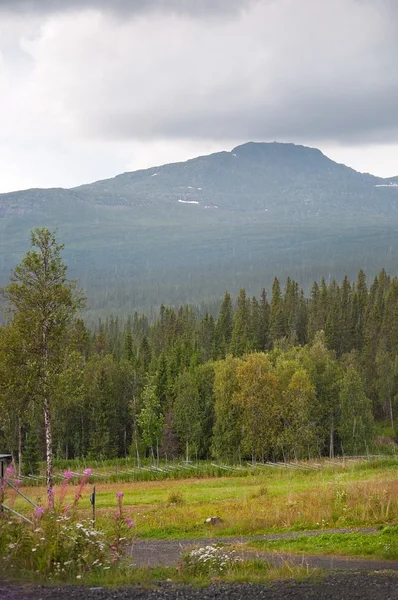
{"x": 88, "y": 91}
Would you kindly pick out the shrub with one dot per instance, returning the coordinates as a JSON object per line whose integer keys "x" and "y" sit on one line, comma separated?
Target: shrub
{"x": 208, "y": 561}
{"x": 175, "y": 498}
{"x": 59, "y": 545}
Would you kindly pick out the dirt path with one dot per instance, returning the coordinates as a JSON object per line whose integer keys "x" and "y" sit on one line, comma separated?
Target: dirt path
{"x": 168, "y": 552}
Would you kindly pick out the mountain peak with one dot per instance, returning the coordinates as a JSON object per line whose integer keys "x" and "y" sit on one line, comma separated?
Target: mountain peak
{"x": 281, "y": 149}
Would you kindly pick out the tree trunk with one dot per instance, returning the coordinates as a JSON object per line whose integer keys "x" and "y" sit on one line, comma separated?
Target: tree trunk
{"x": 49, "y": 451}
{"x": 391, "y": 414}
{"x": 331, "y": 444}
{"x": 136, "y": 449}
{"x": 19, "y": 447}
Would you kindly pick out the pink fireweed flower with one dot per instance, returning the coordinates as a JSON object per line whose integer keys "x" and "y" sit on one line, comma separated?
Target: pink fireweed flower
{"x": 129, "y": 522}
{"x": 17, "y": 482}
{"x": 10, "y": 470}
{"x": 119, "y": 496}
{"x": 39, "y": 510}
{"x": 62, "y": 493}
{"x": 51, "y": 495}
{"x": 83, "y": 481}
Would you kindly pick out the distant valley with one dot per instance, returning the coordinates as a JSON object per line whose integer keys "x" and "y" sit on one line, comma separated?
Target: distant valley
{"x": 186, "y": 232}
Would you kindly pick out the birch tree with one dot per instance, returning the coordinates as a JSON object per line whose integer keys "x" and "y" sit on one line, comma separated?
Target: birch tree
{"x": 43, "y": 303}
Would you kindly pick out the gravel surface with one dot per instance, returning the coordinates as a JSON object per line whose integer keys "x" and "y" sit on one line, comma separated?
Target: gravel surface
{"x": 351, "y": 578}
{"x": 357, "y": 586}
{"x": 167, "y": 553}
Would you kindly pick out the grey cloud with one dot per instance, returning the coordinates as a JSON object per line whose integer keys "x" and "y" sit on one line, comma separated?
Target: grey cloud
{"x": 280, "y": 70}
{"x": 129, "y": 7}
{"x": 313, "y": 90}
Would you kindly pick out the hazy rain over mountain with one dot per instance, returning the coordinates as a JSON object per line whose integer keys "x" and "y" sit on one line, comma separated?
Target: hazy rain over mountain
{"x": 92, "y": 89}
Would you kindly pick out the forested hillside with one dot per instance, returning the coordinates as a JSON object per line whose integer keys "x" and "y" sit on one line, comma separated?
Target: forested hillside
{"x": 279, "y": 376}
{"x": 186, "y": 232}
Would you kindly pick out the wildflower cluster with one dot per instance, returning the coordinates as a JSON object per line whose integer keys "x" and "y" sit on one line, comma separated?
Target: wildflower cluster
{"x": 11, "y": 491}
{"x": 209, "y": 560}
{"x": 121, "y": 528}
{"x": 60, "y": 547}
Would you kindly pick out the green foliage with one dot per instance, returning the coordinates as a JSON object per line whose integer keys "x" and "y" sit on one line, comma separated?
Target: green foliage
{"x": 59, "y": 546}
{"x": 31, "y": 454}
{"x": 226, "y": 441}
{"x": 356, "y": 420}
{"x": 149, "y": 386}
{"x": 151, "y": 419}
{"x": 175, "y": 498}
{"x": 257, "y": 396}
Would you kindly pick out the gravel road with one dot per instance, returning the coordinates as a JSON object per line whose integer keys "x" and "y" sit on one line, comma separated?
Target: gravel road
{"x": 350, "y": 578}
{"x": 355, "y": 586}
{"x": 151, "y": 553}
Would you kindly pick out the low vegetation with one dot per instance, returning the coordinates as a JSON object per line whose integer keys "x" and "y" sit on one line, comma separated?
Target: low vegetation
{"x": 382, "y": 545}
{"x": 62, "y": 545}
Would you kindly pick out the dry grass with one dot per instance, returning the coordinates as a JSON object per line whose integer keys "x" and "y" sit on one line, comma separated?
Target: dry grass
{"x": 293, "y": 500}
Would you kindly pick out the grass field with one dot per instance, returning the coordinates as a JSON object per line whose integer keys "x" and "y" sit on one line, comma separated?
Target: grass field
{"x": 353, "y": 494}
{"x": 382, "y": 545}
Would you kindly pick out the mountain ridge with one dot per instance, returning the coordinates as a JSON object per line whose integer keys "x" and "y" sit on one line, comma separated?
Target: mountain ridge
{"x": 187, "y": 231}
{"x": 148, "y": 170}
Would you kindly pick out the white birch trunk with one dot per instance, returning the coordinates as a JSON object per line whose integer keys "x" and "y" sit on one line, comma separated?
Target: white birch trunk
{"x": 19, "y": 447}
{"x": 49, "y": 451}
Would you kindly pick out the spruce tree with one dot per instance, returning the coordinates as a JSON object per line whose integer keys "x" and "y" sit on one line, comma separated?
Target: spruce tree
{"x": 277, "y": 317}
{"x": 224, "y": 326}
{"x": 240, "y": 340}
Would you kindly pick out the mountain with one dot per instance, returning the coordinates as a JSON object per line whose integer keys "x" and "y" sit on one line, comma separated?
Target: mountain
{"x": 187, "y": 231}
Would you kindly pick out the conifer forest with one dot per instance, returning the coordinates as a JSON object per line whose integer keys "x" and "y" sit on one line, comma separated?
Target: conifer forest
{"x": 276, "y": 377}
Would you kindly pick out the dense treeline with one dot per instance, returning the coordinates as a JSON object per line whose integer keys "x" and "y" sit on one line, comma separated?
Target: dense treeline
{"x": 270, "y": 378}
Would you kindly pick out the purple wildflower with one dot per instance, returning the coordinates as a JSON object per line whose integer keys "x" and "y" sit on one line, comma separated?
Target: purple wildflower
{"x": 88, "y": 472}
{"x": 129, "y": 522}
{"x": 10, "y": 470}
{"x": 119, "y": 494}
{"x": 39, "y": 510}
{"x": 68, "y": 474}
